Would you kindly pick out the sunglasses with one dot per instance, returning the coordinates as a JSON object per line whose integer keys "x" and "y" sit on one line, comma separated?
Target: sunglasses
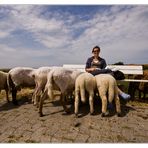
{"x": 96, "y": 51}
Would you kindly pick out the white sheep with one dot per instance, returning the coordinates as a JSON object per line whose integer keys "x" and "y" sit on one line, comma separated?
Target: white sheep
{"x": 107, "y": 84}
{"x": 40, "y": 78}
{"x": 3, "y": 83}
{"x": 61, "y": 79}
{"x": 85, "y": 82}
{"x": 18, "y": 78}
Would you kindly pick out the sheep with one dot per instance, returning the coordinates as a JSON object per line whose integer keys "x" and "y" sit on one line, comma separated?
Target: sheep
{"x": 118, "y": 75}
{"x": 133, "y": 86}
{"x": 3, "y": 83}
{"x": 140, "y": 86}
{"x": 85, "y": 82}
{"x": 40, "y": 78}
{"x": 107, "y": 84}
{"x": 59, "y": 79}
{"x": 19, "y": 77}
{"x": 143, "y": 87}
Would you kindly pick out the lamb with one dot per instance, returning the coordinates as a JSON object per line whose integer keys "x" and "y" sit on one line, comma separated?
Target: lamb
{"x": 3, "y": 83}
{"x": 59, "y": 79}
{"x": 107, "y": 84}
{"x": 85, "y": 82}
{"x": 18, "y": 78}
{"x": 40, "y": 78}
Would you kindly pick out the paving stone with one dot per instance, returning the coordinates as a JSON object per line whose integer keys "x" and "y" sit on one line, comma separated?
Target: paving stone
{"x": 82, "y": 138}
{"x": 45, "y": 139}
{"x": 23, "y": 125}
{"x": 56, "y": 140}
{"x": 26, "y": 136}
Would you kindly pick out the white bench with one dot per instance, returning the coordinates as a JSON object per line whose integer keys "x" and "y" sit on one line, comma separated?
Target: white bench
{"x": 127, "y": 70}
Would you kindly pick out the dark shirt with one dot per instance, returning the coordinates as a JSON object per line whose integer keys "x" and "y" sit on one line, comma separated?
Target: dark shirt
{"x": 90, "y": 64}
{"x": 100, "y": 65}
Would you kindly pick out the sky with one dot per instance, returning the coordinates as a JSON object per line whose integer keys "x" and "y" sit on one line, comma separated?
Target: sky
{"x": 53, "y": 35}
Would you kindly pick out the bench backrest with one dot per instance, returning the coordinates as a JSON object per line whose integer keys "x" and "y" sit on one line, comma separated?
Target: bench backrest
{"x": 76, "y": 67}
{"x": 124, "y": 68}
{"x": 127, "y": 69}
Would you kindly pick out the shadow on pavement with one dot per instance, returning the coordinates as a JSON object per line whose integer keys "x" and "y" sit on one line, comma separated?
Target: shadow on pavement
{"x": 21, "y": 101}
{"x": 83, "y": 108}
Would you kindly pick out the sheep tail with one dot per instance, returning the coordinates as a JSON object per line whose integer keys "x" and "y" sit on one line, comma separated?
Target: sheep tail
{"x": 82, "y": 92}
{"x": 111, "y": 93}
{"x": 50, "y": 86}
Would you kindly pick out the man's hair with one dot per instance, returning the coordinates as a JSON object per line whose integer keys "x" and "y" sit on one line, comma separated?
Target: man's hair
{"x": 96, "y": 47}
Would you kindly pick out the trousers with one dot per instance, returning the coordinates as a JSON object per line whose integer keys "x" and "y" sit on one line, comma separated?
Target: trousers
{"x": 101, "y": 71}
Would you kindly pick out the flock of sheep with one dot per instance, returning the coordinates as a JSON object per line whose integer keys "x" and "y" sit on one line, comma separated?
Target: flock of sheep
{"x": 48, "y": 79}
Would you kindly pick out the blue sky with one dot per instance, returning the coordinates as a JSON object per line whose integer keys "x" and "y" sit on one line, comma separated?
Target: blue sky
{"x": 45, "y": 35}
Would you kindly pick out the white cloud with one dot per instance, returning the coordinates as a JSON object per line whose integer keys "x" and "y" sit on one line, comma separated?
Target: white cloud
{"x": 3, "y": 34}
{"x": 121, "y": 31}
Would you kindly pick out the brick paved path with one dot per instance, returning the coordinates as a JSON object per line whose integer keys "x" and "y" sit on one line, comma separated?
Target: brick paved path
{"x": 22, "y": 124}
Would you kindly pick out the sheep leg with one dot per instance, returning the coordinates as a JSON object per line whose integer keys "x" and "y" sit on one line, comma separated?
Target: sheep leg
{"x": 118, "y": 107}
{"x": 50, "y": 93}
{"x": 91, "y": 103}
{"x": 104, "y": 105}
{"x": 37, "y": 97}
{"x": 44, "y": 96}
{"x": 76, "y": 102}
{"x": 37, "y": 100}
{"x": 63, "y": 103}
{"x": 7, "y": 96}
{"x": 117, "y": 101}
{"x": 34, "y": 95}
{"x": 83, "y": 97}
{"x": 139, "y": 94}
{"x": 14, "y": 92}
{"x": 111, "y": 93}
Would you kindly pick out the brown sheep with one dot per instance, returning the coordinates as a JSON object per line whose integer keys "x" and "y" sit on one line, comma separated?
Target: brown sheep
{"x": 142, "y": 87}
{"x": 3, "y": 83}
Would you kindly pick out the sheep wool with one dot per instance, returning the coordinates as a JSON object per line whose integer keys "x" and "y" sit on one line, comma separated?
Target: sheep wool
{"x": 107, "y": 84}
{"x": 84, "y": 82}
{"x": 40, "y": 78}
{"x": 18, "y": 78}
{"x": 61, "y": 79}
{"x": 3, "y": 83}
